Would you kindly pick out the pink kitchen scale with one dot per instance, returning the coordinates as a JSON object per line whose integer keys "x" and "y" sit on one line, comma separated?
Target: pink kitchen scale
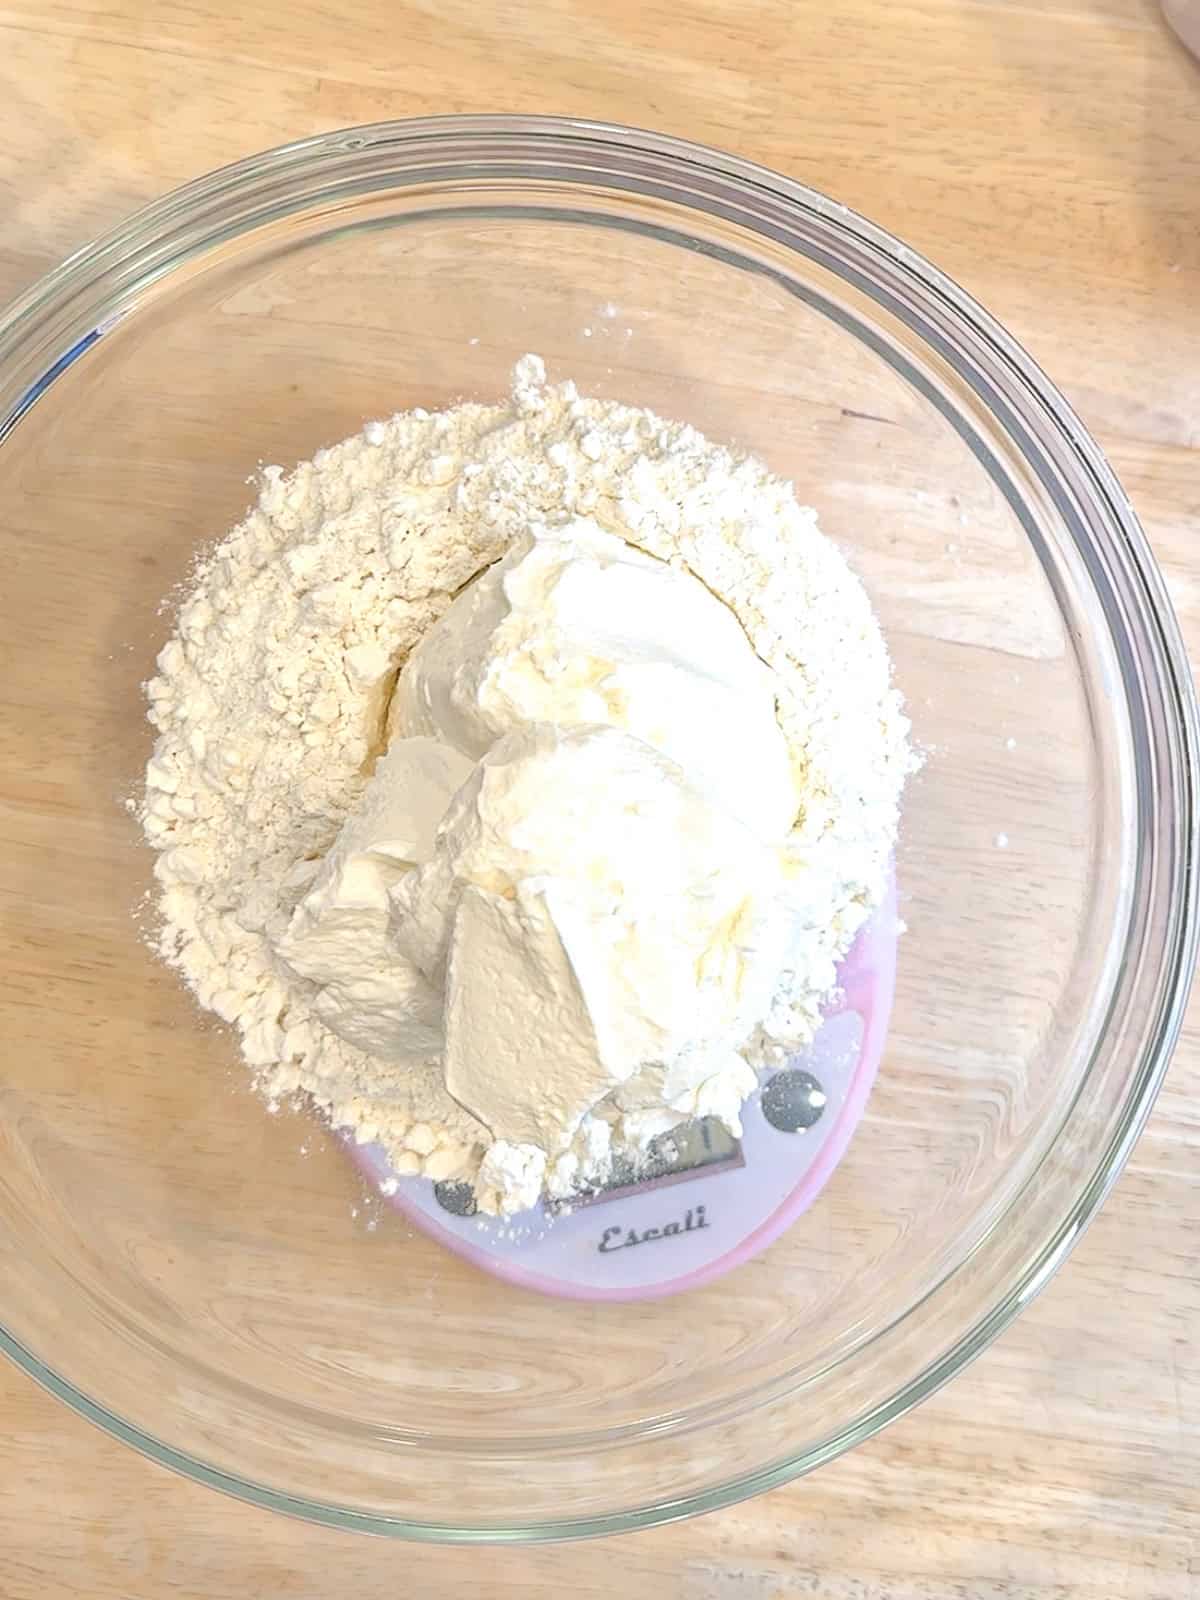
{"x": 706, "y": 1202}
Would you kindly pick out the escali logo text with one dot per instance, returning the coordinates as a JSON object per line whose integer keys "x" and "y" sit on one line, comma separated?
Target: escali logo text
{"x": 625, "y": 1238}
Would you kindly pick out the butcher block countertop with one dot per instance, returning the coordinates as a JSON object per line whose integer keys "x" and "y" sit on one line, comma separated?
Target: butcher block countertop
{"x": 1046, "y": 153}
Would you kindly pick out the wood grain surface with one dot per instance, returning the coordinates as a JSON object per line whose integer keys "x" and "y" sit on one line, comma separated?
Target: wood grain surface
{"x": 1047, "y": 154}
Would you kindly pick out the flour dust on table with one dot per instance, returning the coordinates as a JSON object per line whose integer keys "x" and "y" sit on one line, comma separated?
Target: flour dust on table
{"x": 522, "y": 773}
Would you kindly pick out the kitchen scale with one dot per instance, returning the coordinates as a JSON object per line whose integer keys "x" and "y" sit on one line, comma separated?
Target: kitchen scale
{"x": 706, "y": 1202}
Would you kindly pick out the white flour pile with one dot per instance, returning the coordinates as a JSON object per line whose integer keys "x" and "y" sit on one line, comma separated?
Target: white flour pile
{"x": 616, "y": 846}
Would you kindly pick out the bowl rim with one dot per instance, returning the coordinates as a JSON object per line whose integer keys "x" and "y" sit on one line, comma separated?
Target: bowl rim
{"x": 51, "y": 324}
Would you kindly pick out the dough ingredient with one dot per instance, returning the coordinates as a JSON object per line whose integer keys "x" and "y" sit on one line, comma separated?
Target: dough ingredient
{"x": 591, "y": 859}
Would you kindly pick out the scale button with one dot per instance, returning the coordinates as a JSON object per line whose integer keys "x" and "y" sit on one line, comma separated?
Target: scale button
{"x": 457, "y": 1198}
{"x": 793, "y": 1101}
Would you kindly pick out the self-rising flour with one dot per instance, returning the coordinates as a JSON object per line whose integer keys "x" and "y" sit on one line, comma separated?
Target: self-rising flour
{"x": 513, "y": 875}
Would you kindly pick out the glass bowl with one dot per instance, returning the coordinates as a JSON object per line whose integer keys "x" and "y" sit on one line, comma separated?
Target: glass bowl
{"x": 214, "y": 1284}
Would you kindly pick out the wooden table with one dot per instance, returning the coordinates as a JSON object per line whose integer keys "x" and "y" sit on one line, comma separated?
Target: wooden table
{"x": 1045, "y": 152}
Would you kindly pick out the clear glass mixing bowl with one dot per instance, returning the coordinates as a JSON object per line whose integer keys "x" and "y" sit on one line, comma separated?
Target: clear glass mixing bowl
{"x": 211, "y": 1282}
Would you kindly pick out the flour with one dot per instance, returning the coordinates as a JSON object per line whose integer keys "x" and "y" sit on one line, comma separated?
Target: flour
{"x": 271, "y": 706}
